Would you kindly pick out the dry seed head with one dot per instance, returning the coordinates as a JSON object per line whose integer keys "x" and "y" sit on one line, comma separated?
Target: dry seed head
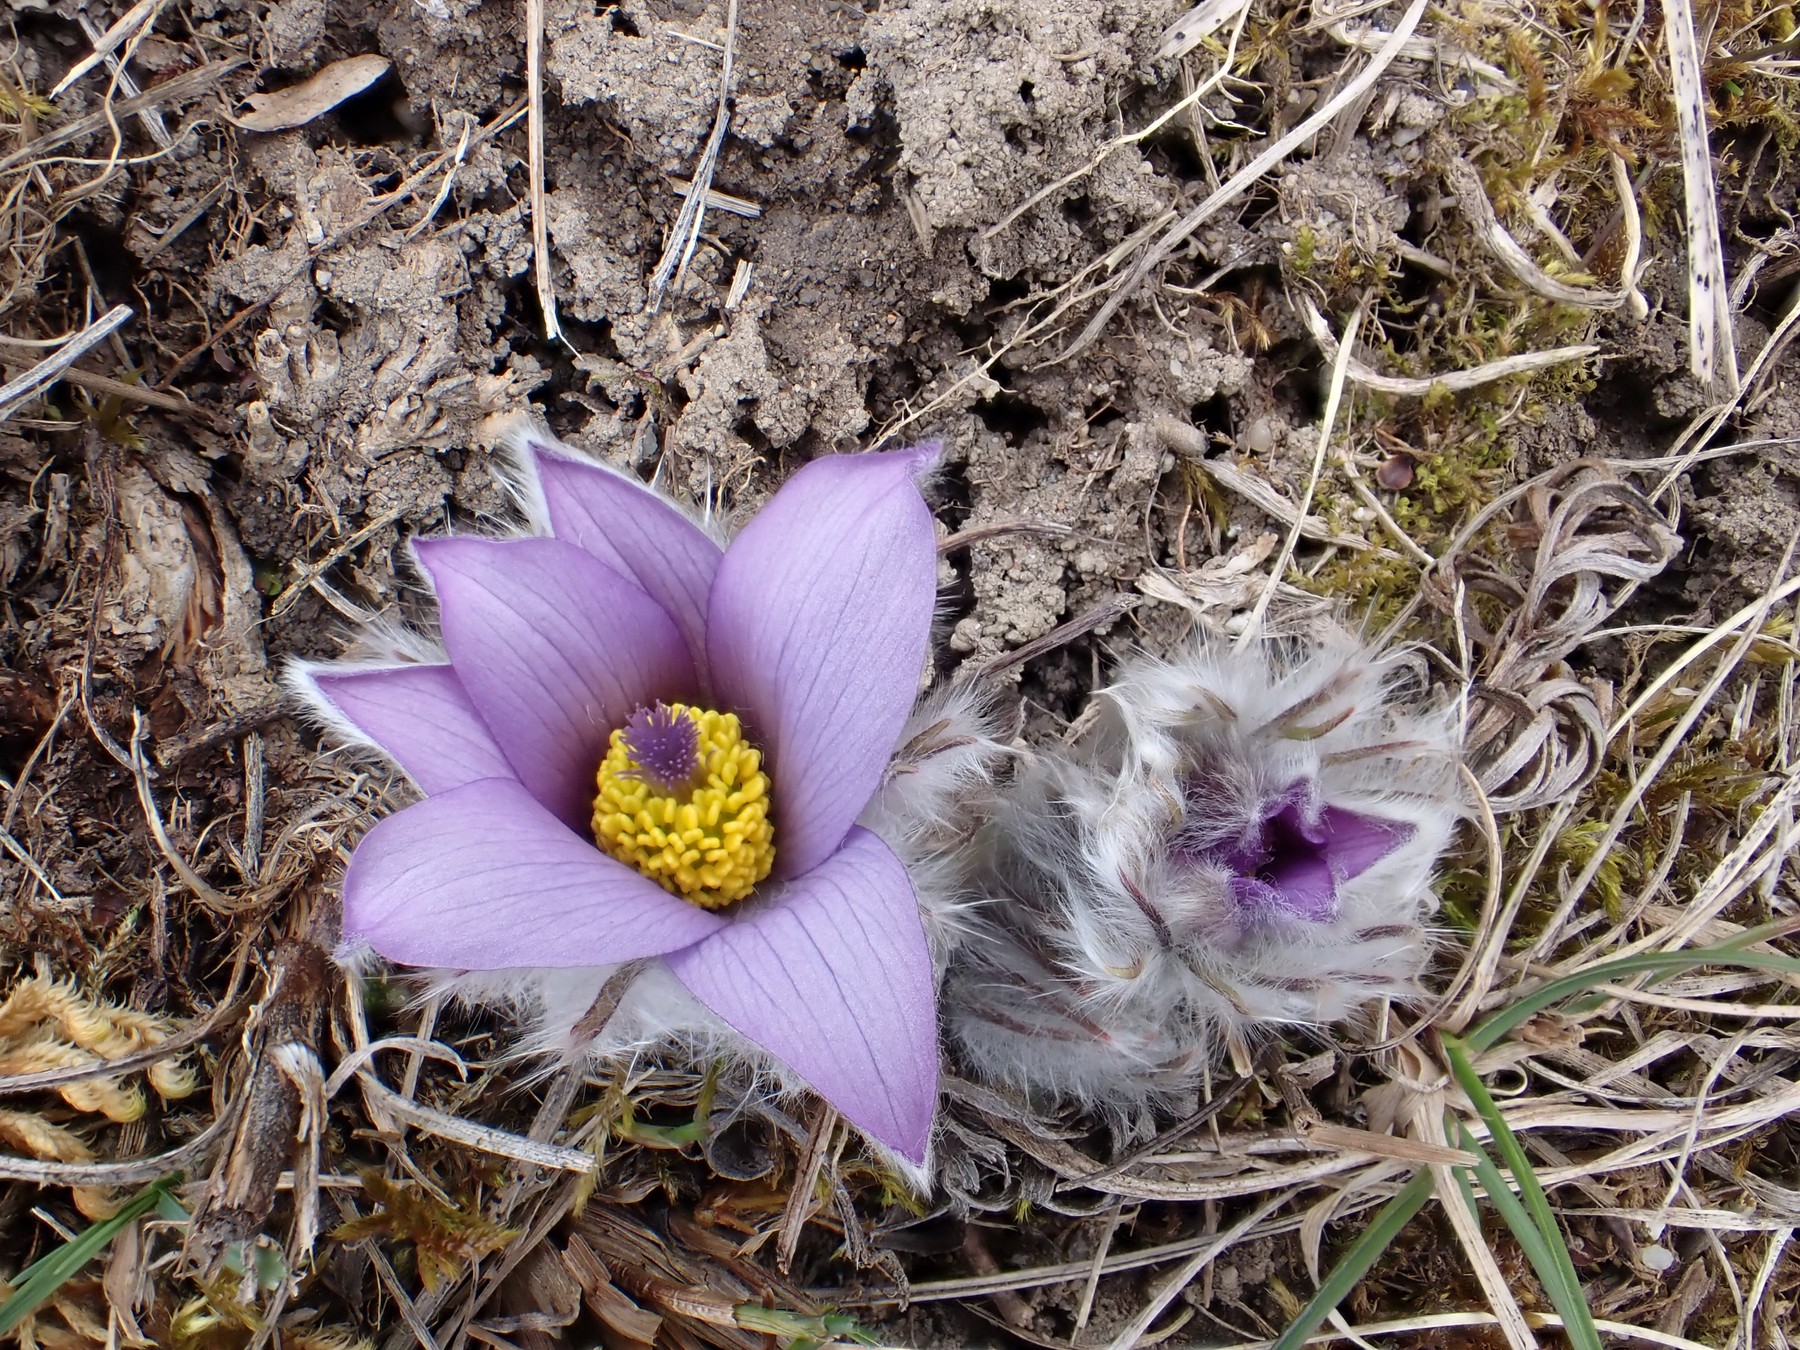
{"x": 1245, "y": 838}
{"x": 40, "y": 1138}
{"x": 49, "y": 1024}
{"x": 106, "y": 1097}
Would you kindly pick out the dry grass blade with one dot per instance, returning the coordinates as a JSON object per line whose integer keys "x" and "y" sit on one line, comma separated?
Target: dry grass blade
{"x": 1198, "y": 24}
{"x": 1458, "y": 1204}
{"x": 1108, "y": 610}
{"x": 1272, "y": 504}
{"x": 1183, "y": 1275}
{"x": 686, "y": 231}
{"x": 720, "y": 201}
{"x": 1241, "y": 182}
{"x": 151, "y": 118}
{"x": 107, "y": 1175}
{"x": 1465, "y": 183}
{"x": 1591, "y": 539}
{"x": 1455, "y": 381}
{"x": 1475, "y": 187}
{"x": 203, "y": 890}
{"x": 1712, "y": 338}
{"x": 1334, "y": 397}
{"x": 534, "y": 134}
{"x": 174, "y": 90}
{"x": 142, "y": 15}
{"x": 484, "y": 1138}
{"x": 22, "y": 388}
{"x": 1759, "y": 1289}
{"x": 1672, "y": 743}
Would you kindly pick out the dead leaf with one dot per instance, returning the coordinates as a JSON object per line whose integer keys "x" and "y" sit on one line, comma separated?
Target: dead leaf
{"x": 298, "y": 104}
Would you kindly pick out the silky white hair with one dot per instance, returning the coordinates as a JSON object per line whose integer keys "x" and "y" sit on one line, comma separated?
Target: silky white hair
{"x": 1104, "y": 955}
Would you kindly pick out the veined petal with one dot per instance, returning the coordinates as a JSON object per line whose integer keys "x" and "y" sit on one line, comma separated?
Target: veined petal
{"x": 634, "y": 530}
{"x": 1303, "y": 886}
{"x": 556, "y": 650}
{"x": 1355, "y": 842}
{"x": 817, "y": 631}
{"x": 833, "y": 978}
{"x": 419, "y": 715}
{"x": 484, "y": 878}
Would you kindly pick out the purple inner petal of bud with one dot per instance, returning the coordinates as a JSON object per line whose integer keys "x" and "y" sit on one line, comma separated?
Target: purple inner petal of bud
{"x": 1356, "y": 842}
{"x": 664, "y": 747}
{"x": 1294, "y": 864}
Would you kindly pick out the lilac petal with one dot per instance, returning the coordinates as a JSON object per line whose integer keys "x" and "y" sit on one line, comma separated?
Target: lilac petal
{"x": 817, "y": 631}
{"x": 1303, "y": 885}
{"x": 484, "y": 878}
{"x": 834, "y": 979}
{"x": 556, "y": 650}
{"x": 421, "y": 717}
{"x": 1355, "y": 842}
{"x": 635, "y": 531}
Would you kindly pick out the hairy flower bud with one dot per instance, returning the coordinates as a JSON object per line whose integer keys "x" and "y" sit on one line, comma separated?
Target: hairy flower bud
{"x": 1242, "y": 837}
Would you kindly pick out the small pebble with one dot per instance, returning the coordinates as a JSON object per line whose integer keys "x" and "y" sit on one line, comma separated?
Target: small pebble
{"x": 1396, "y": 473}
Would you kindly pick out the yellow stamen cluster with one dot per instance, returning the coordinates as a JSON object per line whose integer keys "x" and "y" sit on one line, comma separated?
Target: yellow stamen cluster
{"x": 709, "y": 840}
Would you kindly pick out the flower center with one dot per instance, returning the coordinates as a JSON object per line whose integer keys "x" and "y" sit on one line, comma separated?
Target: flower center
{"x": 683, "y": 799}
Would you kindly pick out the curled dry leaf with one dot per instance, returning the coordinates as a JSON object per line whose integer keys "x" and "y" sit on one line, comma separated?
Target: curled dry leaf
{"x": 300, "y": 103}
{"x": 1590, "y": 539}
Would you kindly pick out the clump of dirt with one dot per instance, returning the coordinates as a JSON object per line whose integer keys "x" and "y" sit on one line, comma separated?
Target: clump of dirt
{"x": 995, "y": 102}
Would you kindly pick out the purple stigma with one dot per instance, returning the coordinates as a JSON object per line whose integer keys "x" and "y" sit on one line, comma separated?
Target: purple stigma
{"x": 664, "y": 745}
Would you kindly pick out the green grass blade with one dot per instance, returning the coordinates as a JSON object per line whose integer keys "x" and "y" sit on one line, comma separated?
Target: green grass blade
{"x": 1543, "y": 1247}
{"x": 1662, "y": 963}
{"x": 43, "y": 1277}
{"x": 1557, "y": 1272}
{"x": 1530, "y": 1240}
{"x": 1355, "y": 1263}
{"x": 1512, "y": 1152}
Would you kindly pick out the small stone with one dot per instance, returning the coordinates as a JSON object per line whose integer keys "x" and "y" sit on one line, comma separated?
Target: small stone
{"x": 1396, "y": 473}
{"x": 1258, "y": 438}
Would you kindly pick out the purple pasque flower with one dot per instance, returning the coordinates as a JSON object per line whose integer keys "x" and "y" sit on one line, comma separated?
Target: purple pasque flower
{"x": 1295, "y": 852}
{"x": 645, "y": 745}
